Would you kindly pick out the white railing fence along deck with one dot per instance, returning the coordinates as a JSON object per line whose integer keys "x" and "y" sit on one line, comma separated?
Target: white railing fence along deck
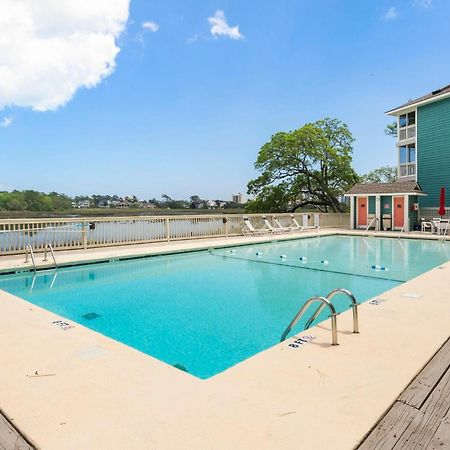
{"x": 84, "y": 233}
{"x": 431, "y": 213}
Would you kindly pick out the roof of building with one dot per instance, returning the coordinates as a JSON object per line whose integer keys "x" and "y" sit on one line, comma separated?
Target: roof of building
{"x": 432, "y": 96}
{"x": 399, "y": 187}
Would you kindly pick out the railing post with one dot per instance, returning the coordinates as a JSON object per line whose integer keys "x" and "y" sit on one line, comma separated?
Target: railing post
{"x": 84, "y": 235}
{"x": 226, "y": 226}
{"x": 167, "y": 229}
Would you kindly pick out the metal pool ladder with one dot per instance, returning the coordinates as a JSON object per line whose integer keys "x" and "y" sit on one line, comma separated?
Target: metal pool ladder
{"x": 354, "y": 305}
{"x": 47, "y": 247}
{"x": 29, "y": 251}
{"x": 326, "y": 301}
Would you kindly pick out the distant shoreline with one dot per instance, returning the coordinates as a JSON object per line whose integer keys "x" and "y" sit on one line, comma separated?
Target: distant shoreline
{"x": 113, "y": 212}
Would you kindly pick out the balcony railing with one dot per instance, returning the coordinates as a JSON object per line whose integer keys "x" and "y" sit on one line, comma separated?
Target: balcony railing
{"x": 406, "y": 133}
{"x": 407, "y": 170}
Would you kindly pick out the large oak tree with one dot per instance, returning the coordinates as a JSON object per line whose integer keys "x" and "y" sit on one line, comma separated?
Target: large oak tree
{"x": 310, "y": 166}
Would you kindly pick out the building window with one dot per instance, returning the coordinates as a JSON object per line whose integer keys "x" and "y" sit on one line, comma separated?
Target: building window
{"x": 407, "y": 119}
{"x": 407, "y": 160}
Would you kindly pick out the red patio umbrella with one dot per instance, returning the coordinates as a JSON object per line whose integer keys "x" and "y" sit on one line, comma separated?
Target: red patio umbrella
{"x": 441, "y": 211}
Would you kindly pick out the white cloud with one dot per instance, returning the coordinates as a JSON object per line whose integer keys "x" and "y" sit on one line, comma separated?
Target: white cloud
{"x": 220, "y": 27}
{"x": 51, "y": 48}
{"x": 423, "y": 3}
{"x": 6, "y": 122}
{"x": 391, "y": 13}
{"x": 150, "y": 26}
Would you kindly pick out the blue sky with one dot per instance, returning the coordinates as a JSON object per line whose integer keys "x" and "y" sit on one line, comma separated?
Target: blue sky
{"x": 185, "y": 112}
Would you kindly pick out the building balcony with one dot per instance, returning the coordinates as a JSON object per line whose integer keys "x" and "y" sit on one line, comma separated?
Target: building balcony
{"x": 407, "y": 170}
{"x": 407, "y": 133}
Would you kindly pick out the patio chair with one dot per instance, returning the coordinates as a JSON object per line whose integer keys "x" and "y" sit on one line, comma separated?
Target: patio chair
{"x": 250, "y": 230}
{"x": 443, "y": 226}
{"x": 425, "y": 226}
{"x": 435, "y": 221}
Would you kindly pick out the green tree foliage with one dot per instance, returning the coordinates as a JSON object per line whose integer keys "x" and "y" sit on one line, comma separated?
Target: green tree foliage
{"x": 391, "y": 129}
{"x": 33, "y": 201}
{"x": 385, "y": 174}
{"x": 310, "y": 166}
{"x": 169, "y": 202}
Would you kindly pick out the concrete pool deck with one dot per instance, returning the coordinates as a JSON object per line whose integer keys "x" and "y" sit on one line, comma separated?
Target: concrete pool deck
{"x": 75, "y": 388}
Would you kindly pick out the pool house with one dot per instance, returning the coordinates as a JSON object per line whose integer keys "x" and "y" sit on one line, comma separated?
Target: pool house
{"x": 385, "y": 206}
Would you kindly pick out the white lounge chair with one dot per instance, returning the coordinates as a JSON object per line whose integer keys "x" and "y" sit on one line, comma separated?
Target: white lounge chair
{"x": 250, "y": 230}
{"x": 273, "y": 229}
{"x": 281, "y": 227}
{"x": 295, "y": 225}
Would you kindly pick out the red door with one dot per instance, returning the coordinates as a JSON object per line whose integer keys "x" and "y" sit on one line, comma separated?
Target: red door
{"x": 362, "y": 211}
{"x": 399, "y": 212}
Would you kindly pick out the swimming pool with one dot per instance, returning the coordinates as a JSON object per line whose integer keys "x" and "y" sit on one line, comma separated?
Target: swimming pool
{"x": 206, "y": 311}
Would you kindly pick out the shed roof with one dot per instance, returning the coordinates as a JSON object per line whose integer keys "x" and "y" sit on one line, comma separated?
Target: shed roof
{"x": 399, "y": 187}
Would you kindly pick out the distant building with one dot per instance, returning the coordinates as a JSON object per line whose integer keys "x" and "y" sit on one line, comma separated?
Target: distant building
{"x": 238, "y": 198}
{"x": 81, "y": 204}
{"x": 147, "y": 205}
{"x": 121, "y": 204}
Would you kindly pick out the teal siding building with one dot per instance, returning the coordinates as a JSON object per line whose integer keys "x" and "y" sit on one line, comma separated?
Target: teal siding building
{"x": 423, "y": 161}
{"x": 433, "y": 150}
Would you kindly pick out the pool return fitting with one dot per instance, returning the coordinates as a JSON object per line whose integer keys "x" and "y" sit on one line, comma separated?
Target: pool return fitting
{"x": 325, "y": 302}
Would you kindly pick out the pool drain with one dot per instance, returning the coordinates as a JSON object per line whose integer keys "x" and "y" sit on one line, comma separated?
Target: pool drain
{"x": 90, "y": 316}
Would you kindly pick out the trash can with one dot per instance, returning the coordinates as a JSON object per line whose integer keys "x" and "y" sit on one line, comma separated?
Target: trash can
{"x": 387, "y": 222}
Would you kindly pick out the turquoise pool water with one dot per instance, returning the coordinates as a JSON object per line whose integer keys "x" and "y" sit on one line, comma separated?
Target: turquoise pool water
{"x": 207, "y": 311}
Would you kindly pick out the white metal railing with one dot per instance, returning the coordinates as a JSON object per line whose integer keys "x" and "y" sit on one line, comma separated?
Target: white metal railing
{"x": 430, "y": 213}
{"x": 406, "y": 133}
{"x": 83, "y": 233}
{"x": 408, "y": 169}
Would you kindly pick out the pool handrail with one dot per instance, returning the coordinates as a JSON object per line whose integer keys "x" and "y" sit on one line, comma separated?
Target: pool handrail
{"x": 324, "y": 301}
{"x": 377, "y": 221}
{"x": 29, "y": 251}
{"x": 354, "y": 305}
{"x": 48, "y": 246}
